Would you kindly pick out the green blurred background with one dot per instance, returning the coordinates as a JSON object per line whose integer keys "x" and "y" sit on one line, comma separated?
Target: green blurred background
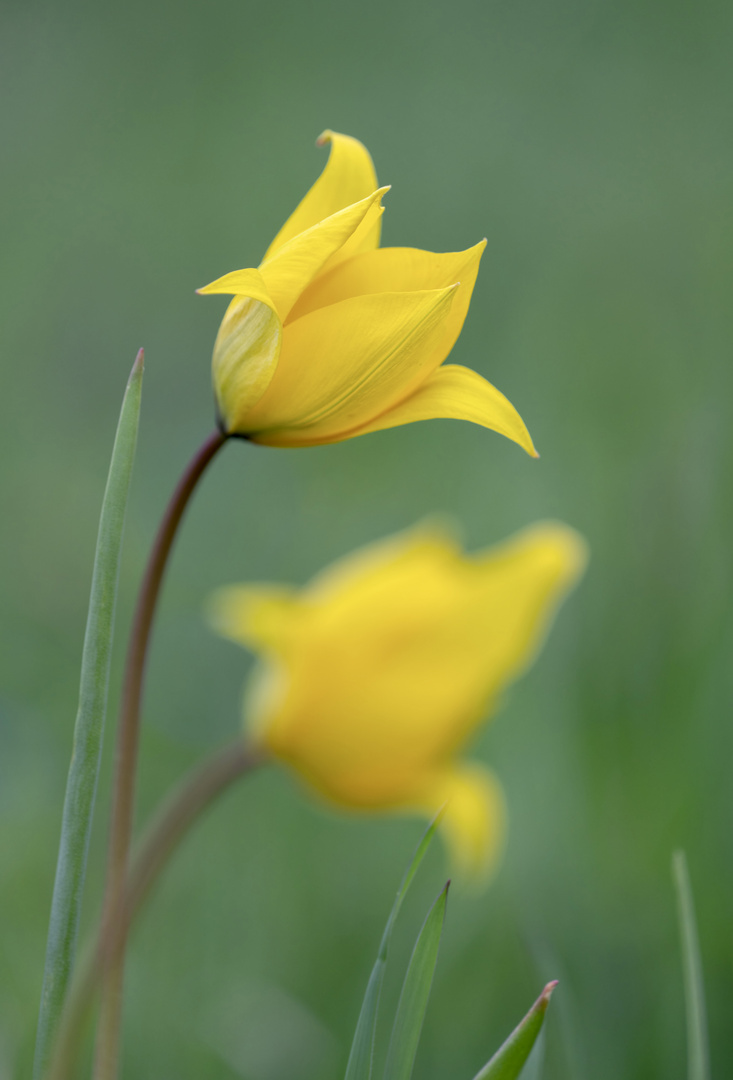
{"x": 148, "y": 148}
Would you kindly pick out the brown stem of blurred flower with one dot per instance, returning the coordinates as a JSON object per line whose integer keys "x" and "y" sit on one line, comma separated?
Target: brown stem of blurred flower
{"x": 107, "y": 1051}
{"x": 171, "y": 822}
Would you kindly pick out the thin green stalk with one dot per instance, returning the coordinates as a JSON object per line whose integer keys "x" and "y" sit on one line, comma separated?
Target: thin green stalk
{"x": 698, "y": 1066}
{"x": 128, "y": 733}
{"x": 183, "y": 807}
{"x": 81, "y": 785}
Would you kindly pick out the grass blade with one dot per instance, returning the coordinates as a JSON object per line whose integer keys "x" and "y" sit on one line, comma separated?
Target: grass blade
{"x": 81, "y": 785}
{"x": 698, "y": 1066}
{"x": 509, "y": 1060}
{"x": 359, "y": 1066}
{"x": 415, "y": 993}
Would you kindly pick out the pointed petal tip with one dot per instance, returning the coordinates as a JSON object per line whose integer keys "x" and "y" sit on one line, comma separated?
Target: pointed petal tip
{"x": 527, "y": 444}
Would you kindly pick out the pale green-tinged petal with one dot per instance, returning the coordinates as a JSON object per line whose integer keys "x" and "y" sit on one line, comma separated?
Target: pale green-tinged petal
{"x": 294, "y": 265}
{"x": 247, "y": 346}
{"x": 343, "y": 365}
{"x": 474, "y": 819}
{"x": 348, "y": 177}
{"x": 456, "y": 393}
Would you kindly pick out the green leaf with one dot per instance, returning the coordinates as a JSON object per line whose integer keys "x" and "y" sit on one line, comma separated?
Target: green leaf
{"x": 509, "y": 1060}
{"x": 359, "y": 1066}
{"x": 698, "y": 1066}
{"x": 81, "y": 785}
{"x": 534, "y": 1066}
{"x": 415, "y": 993}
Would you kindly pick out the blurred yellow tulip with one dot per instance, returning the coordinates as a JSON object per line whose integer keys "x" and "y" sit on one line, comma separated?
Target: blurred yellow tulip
{"x": 373, "y": 677}
{"x": 333, "y": 337}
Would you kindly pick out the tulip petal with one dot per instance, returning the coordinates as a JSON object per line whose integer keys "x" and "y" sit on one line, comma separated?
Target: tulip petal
{"x": 392, "y": 269}
{"x": 401, "y": 270}
{"x": 474, "y": 819}
{"x": 294, "y": 265}
{"x": 247, "y": 346}
{"x": 456, "y": 393}
{"x": 522, "y": 583}
{"x": 348, "y": 177}
{"x": 257, "y": 616}
{"x": 343, "y": 365}
{"x": 240, "y": 283}
{"x": 388, "y": 564}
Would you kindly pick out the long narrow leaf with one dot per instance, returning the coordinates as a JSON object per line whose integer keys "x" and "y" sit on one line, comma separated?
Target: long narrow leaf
{"x": 698, "y": 1067}
{"x": 535, "y": 1064}
{"x": 361, "y": 1057}
{"x": 509, "y": 1060}
{"x": 81, "y": 785}
{"x": 415, "y": 993}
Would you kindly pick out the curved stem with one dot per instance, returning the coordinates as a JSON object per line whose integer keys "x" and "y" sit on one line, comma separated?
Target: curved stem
{"x": 128, "y": 733}
{"x": 193, "y": 795}
{"x": 178, "y": 813}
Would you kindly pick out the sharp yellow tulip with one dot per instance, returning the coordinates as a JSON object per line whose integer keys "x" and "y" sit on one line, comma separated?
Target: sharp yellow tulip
{"x": 333, "y": 336}
{"x": 373, "y": 677}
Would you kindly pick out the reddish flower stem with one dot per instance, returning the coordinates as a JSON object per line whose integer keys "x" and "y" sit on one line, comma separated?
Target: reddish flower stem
{"x": 128, "y": 736}
{"x": 178, "y": 812}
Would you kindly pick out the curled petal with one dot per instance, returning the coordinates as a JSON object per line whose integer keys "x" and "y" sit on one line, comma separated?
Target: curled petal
{"x": 348, "y": 177}
{"x": 294, "y": 265}
{"x": 349, "y": 362}
{"x": 248, "y": 283}
{"x": 453, "y": 392}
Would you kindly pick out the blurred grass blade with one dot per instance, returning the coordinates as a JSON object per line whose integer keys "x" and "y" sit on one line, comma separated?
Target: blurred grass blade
{"x": 362, "y": 1049}
{"x": 509, "y": 1060}
{"x": 415, "y": 993}
{"x": 81, "y": 785}
{"x": 698, "y": 1067}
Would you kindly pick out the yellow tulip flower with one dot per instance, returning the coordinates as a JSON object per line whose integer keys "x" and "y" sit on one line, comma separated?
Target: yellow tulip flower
{"x": 333, "y": 336}
{"x": 374, "y": 676}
